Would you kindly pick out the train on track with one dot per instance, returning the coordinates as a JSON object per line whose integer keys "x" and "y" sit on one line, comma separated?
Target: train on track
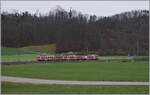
{"x": 66, "y": 57}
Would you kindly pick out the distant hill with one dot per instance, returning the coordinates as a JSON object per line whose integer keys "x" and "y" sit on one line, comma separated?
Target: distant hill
{"x": 119, "y": 34}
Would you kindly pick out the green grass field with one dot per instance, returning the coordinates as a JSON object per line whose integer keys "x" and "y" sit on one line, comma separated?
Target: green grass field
{"x": 88, "y": 70}
{"x": 17, "y": 88}
{"x": 17, "y": 54}
{"x": 21, "y": 57}
{"x": 25, "y": 53}
{"x": 50, "y": 48}
{"x": 15, "y": 51}
{"x": 108, "y": 69}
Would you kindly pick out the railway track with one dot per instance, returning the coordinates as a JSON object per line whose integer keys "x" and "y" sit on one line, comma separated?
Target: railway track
{"x": 38, "y": 62}
{"x": 60, "y": 61}
{"x": 19, "y": 62}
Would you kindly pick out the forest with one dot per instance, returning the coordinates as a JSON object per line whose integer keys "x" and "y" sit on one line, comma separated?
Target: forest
{"x": 72, "y": 31}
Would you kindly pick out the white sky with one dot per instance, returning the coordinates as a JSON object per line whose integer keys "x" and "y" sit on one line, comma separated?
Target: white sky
{"x": 99, "y": 8}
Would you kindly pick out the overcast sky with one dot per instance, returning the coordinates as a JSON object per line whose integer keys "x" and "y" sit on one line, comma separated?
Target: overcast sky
{"x": 99, "y": 8}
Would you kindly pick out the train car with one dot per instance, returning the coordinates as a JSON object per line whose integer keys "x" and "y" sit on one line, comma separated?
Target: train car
{"x": 66, "y": 57}
{"x": 71, "y": 57}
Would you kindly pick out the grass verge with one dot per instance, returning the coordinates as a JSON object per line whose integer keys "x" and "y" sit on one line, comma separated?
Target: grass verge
{"x": 18, "y": 88}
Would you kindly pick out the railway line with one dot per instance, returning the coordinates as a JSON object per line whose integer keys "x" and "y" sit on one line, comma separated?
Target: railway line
{"x": 37, "y": 62}
{"x": 62, "y": 61}
{"x": 19, "y": 62}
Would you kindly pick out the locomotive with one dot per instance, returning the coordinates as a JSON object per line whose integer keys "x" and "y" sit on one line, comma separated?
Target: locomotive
{"x": 66, "y": 57}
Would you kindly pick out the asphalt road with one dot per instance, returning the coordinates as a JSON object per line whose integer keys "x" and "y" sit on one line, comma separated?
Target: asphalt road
{"x": 66, "y": 82}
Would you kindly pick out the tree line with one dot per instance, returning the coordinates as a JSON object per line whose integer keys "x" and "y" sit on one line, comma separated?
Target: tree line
{"x": 73, "y": 31}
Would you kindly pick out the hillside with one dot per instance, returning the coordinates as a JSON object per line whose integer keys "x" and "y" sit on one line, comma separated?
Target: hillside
{"x": 5, "y": 51}
{"x": 50, "y": 48}
{"x": 119, "y": 34}
{"x": 28, "y": 53}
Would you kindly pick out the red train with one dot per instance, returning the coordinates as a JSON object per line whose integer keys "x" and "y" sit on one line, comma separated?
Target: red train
{"x": 66, "y": 57}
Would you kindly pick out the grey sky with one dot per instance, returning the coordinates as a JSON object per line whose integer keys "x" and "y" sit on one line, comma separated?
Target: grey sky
{"x": 99, "y": 8}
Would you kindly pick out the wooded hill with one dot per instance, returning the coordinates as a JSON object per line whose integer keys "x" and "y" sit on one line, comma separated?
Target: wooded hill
{"x": 73, "y": 31}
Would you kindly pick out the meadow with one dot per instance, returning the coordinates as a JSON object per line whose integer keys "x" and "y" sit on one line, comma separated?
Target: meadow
{"x": 18, "y": 88}
{"x": 28, "y": 53}
{"x": 111, "y": 68}
{"x": 107, "y": 68}
{"x": 83, "y": 70}
{"x": 17, "y": 54}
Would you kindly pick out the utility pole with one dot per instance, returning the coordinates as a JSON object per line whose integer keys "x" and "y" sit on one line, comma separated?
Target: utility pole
{"x": 137, "y": 47}
{"x": 100, "y": 40}
{"x": 87, "y": 50}
{"x": 18, "y": 38}
{"x": 17, "y": 46}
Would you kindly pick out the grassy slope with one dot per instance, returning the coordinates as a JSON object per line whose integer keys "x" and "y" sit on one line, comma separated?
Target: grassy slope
{"x": 16, "y": 54}
{"x": 16, "y": 88}
{"x": 105, "y": 70}
{"x": 21, "y": 57}
{"x": 26, "y": 53}
{"x": 14, "y": 51}
{"x": 50, "y": 48}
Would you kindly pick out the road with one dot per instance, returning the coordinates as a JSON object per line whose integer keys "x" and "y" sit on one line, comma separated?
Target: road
{"x": 66, "y": 82}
